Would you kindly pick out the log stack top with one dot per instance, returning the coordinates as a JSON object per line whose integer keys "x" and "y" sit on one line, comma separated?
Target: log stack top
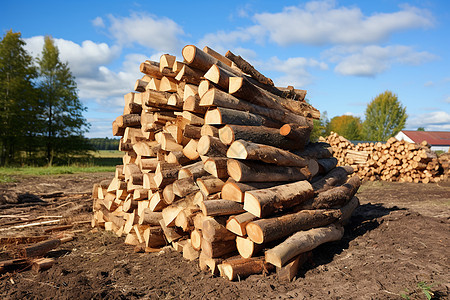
{"x": 218, "y": 162}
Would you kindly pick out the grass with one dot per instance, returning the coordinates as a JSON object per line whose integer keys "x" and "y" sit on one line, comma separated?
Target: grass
{"x": 101, "y": 161}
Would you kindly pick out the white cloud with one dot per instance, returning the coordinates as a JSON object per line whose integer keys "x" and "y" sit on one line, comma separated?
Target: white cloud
{"x": 83, "y": 59}
{"x": 159, "y": 33}
{"x": 322, "y": 22}
{"x": 222, "y": 41}
{"x": 437, "y": 120}
{"x": 372, "y": 60}
{"x": 98, "y": 22}
{"x": 295, "y": 70}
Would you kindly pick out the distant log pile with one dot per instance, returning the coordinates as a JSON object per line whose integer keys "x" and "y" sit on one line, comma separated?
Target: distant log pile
{"x": 218, "y": 164}
{"x": 391, "y": 161}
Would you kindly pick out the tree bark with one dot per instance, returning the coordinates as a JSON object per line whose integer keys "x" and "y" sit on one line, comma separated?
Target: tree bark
{"x": 242, "y": 149}
{"x": 221, "y": 208}
{"x": 257, "y": 134}
{"x": 248, "y": 68}
{"x": 241, "y": 268}
{"x": 222, "y": 115}
{"x": 301, "y": 242}
{"x": 246, "y": 171}
{"x": 265, "y": 202}
{"x": 268, "y": 230}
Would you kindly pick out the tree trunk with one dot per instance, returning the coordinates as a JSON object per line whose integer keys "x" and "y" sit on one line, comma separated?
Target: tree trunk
{"x": 241, "y": 268}
{"x": 248, "y": 68}
{"x": 265, "y": 202}
{"x": 257, "y": 134}
{"x": 221, "y": 208}
{"x": 301, "y": 242}
{"x": 222, "y": 115}
{"x": 243, "y": 171}
{"x": 267, "y": 230}
{"x": 242, "y": 149}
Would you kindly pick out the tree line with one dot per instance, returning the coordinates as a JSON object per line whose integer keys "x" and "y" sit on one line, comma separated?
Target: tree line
{"x": 384, "y": 118}
{"x": 104, "y": 143}
{"x": 41, "y": 116}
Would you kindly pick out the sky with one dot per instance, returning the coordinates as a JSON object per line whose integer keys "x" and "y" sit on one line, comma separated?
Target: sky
{"x": 344, "y": 53}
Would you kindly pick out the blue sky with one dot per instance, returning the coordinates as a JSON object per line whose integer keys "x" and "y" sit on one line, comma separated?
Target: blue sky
{"x": 344, "y": 53}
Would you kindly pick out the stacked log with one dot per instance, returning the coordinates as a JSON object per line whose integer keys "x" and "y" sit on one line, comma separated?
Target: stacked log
{"x": 217, "y": 162}
{"x": 391, "y": 161}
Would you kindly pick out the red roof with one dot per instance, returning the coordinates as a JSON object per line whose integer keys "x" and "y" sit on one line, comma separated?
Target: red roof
{"x": 434, "y": 138}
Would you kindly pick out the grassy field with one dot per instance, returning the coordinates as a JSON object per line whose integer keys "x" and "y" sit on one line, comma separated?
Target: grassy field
{"x": 102, "y": 161}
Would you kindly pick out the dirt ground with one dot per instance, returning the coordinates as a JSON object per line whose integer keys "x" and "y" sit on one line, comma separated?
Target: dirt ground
{"x": 395, "y": 246}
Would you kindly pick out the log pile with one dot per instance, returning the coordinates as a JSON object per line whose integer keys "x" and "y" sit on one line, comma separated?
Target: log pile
{"x": 391, "y": 161}
{"x": 217, "y": 162}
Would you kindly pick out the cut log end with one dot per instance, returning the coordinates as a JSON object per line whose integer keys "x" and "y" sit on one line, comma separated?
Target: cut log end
{"x": 235, "y": 84}
{"x": 188, "y": 53}
{"x": 255, "y": 233}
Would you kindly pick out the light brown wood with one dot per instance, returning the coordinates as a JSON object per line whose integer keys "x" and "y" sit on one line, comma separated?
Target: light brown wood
{"x": 218, "y": 248}
{"x": 268, "y": 230}
{"x": 257, "y": 134}
{"x": 166, "y": 61}
{"x": 221, "y": 208}
{"x": 213, "y": 230}
{"x": 196, "y": 239}
{"x": 194, "y": 170}
{"x": 265, "y": 202}
{"x": 241, "y": 268}
{"x": 218, "y": 56}
{"x": 190, "y": 75}
{"x": 210, "y": 185}
{"x": 209, "y": 130}
{"x": 246, "y": 171}
{"x": 185, "y": 186}
{"x": 190, "y": 150}
{"x": 247, "y": 248}
{"x": 301, "y": 242}
{"x": 220, "y": 116}
{"x": 157, "y": 202}
{"x": 243, "y": 88}
{"x": 216, "y": 166}
{"x": 204, "y": 86}
{"x": 197, "y": 58}
{"x": 237, "y": 223}
{"x": 211, "y": 146}
{"x": 148, "y": 217}
{"x": 242, "y": 149}
{"x": 234, "y": 191}
{"x": 337, "y": 196}
{"x": 290, "y": 269}
{"x": 151, "y": 68}
{"x": 189, "y": 252}
{"x": 165, "y": 174}
{"x": 248, "y": 68}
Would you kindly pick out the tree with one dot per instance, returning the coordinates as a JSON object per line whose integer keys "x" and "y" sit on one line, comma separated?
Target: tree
{"x": 421, "y": 129}
{"x": 349, "y": 127}
{"x": 17, "y": 98}
{"x": 63, "y": 124}
{"x": 320, "y": 127}
{"x": 385, "y": 117}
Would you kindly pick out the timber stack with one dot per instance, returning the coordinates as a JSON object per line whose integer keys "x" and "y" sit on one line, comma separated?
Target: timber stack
{"x": 393, "y": 160}
{"x": 218, "y": 164}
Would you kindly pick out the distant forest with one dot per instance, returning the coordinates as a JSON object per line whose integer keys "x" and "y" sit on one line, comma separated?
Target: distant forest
{"x": 104, "y": 143}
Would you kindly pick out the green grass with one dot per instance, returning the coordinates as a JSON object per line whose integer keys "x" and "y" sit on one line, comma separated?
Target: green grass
{"x": 7, "y": 173}
{"x": 107, "y": 154}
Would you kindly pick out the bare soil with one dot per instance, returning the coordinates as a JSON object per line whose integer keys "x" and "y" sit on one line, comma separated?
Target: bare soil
{"x": 395, "y": 246}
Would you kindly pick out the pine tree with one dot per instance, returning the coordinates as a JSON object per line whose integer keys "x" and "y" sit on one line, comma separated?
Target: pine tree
{"x": 17, "y": 98}
{"x": 63, "y": 124}
{"x": 385, "y": 117}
